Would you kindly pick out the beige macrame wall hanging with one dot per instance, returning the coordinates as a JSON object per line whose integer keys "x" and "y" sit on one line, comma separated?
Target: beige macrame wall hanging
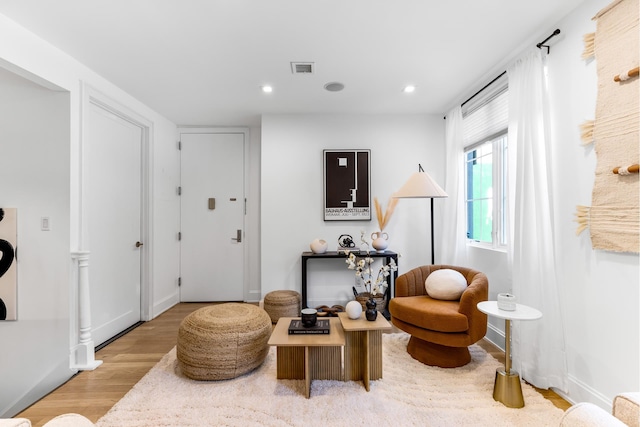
{"x": 613, "y": 218}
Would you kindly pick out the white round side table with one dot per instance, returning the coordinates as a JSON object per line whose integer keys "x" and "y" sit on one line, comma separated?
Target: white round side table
{"x": 507, "y": 388}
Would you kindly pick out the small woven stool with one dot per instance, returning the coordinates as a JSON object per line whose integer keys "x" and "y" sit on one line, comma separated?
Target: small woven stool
{"x": 282, "y": 304}
{"x": 223, "y": 341}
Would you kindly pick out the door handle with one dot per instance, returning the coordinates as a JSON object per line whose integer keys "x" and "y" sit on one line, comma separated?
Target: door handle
{"x": 138, "y": 244}
{"x": 238, "y": 237}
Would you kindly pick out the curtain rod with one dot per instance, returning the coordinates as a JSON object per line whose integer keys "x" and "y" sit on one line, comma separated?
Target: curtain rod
{"x": 539, "y": 46}
{"x": 483, "y": 88}
{"x": 542, "y": 43}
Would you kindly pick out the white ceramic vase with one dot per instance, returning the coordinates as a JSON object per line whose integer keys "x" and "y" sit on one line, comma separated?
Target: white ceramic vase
{"x": 380, "y": 241}
{"x": 319, "y": 246}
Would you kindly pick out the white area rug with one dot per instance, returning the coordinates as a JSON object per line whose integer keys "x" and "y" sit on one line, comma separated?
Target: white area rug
{"x": 410, "y": 394}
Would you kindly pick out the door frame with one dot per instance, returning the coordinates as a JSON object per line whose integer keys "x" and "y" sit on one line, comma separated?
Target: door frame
{"x": 245, "y": 153}
{"x": 92, "y": 96}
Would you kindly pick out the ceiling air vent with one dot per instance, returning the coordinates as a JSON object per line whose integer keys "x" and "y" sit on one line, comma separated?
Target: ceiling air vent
{"x": 302, "y": 67}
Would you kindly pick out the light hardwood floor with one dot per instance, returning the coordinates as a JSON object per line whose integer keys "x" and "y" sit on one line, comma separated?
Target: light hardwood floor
{"x": 127, "y": 360}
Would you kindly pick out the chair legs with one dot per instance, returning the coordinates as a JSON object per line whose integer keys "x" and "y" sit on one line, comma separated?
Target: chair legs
{"x": 438, "y": 355}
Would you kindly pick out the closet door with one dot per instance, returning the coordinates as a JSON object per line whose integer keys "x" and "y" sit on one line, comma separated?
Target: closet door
{"x": 112, "y": 179}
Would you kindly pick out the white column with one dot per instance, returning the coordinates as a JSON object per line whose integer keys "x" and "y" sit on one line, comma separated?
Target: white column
{"x": 85, "y": 348}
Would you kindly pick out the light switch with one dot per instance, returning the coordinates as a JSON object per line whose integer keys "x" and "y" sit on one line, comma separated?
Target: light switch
{"x": 45, "y": 223}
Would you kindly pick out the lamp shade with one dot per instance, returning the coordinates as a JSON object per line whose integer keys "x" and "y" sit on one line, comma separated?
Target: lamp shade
{"x": 420, "y": 185}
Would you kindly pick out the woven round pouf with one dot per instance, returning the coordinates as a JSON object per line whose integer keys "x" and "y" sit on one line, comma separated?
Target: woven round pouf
{"x": 223, "y": 341}
{"x": 282, "y": 304}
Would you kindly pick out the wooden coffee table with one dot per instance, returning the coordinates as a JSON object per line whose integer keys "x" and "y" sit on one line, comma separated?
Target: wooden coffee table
{"x": 308, "y": 357}
{"x": 363, "y": 348}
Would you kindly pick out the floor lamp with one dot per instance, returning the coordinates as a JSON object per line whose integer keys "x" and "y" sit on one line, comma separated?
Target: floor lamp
{"x": 421, "y": 186}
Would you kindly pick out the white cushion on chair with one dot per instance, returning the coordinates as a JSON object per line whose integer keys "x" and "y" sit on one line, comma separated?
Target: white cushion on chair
{"x": 445, "y": 284}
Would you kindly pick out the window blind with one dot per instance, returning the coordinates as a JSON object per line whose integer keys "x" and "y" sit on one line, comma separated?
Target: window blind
{"x": 486, "y": 115}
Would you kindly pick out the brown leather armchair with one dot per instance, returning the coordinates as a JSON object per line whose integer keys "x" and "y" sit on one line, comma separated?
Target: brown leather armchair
{"x": 440, "y": 330}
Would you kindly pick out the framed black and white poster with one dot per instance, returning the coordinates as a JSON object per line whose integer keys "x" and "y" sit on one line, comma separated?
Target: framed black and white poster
{"x": 347, "y": 191}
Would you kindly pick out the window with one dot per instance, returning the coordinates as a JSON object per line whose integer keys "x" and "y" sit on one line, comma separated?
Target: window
{"x": 486, "y": 190}
{"x": 485, "y": 119}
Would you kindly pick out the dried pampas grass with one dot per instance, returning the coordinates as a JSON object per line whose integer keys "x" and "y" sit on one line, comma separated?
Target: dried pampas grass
{"x": 383, "y": 219}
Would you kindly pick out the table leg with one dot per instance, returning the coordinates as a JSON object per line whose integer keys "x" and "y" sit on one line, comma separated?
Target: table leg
{"x": 507, "y": 346}
{"x": 304, "y": 282}
{"x": 367, "y": 362}
{"x": 507, "y": 388}
{"x": 307, "y": 373}
{"x": 389, "y": 292}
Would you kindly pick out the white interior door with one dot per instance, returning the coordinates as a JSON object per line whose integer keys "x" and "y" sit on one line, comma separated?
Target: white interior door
{"x": 112, "y": 178}
{"x": 212, "y": 217}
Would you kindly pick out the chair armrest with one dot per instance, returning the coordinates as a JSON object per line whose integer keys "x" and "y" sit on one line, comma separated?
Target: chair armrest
{"x": 70, "y": 420}
{"x": 15, "y": 422}
{"x": 626, "y": 408}
{"x": 585, "y": 414}
{"x": 477, "y": 291}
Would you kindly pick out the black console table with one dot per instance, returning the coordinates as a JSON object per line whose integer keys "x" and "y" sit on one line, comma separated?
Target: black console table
{"x": 387, "y": 255}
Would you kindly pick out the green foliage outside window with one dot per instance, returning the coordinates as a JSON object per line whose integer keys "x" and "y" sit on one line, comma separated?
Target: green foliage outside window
{"x": 480, "y": 193}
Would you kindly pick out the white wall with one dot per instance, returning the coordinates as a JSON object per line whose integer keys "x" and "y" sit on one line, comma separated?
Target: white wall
{"x": 34, "y": 178}
{"x": 165, "y": 218}
{"x": 40, "y": 339}
{"x": 601, "y": 297}
{"x": 292, "y": 189}
{"x": 252, "y": 223}
{"x": 495, "y": 265}
{"x": 599, "y": 290}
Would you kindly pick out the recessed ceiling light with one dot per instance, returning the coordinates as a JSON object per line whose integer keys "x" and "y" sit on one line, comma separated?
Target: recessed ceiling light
{"x": 267, "y": 89}
{"x": 409, "y": 89}
{"x": 334, "y": 87}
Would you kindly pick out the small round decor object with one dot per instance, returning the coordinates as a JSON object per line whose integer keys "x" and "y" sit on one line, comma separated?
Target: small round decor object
{"x": 319, "y": 246}
{"x": 353, "y": 309}
{"x": 371, "y": 313}
{"x": 309, "y": 316}
{"x": 346, "y": 241}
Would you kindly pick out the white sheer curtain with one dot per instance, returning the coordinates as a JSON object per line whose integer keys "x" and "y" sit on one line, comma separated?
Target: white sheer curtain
{"x": 454, "y": 233}
{"x": 538, "y": 346}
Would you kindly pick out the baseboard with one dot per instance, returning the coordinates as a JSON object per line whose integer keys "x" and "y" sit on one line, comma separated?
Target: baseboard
{"x": 121, "y": 334}
{"x": 254, "y": 296}
{"x": 495, "y": 336}
{"x": 581, "y": 392}
{"x": 578, "y": 391}
{"x": 164, "y": 305}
